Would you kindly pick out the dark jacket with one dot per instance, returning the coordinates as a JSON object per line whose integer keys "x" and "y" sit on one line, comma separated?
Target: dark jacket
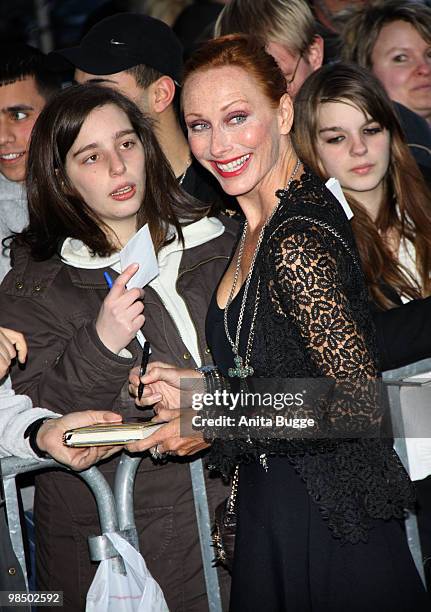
{"x": 403, "y": 334}
{"x": 55, "y": 306}
{"x": 417, "y": 133}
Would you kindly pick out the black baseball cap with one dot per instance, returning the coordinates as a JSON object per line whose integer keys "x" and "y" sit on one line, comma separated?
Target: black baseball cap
{"x": 125, "y": 40}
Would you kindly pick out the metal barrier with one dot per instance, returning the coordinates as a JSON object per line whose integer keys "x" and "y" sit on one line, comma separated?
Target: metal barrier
{"x": 395, "y": 381}
{"x": 116, "y": 512}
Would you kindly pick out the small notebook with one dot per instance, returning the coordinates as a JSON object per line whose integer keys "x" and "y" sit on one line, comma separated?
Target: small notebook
{"x": 105, "y": 434}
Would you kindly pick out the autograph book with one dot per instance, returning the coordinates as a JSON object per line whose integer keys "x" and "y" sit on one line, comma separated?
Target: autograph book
{"x": 110, "y": 434}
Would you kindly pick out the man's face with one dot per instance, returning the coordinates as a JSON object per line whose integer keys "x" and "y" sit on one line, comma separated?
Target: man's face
{"x": 122, "y": 81}
{"x": 20, "y": 105}
{"x": 295, "y": 67}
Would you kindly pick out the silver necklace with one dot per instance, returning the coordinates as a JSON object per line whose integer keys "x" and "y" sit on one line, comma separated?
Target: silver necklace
{"x": 242, "y": 368}
{"x": 183, "y": 176}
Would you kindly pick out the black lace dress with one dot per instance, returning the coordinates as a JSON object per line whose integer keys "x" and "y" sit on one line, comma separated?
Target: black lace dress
{"x": 321, "y": 529}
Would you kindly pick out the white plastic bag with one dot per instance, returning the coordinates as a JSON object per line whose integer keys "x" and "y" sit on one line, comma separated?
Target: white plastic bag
{"x": 136, "y": 592}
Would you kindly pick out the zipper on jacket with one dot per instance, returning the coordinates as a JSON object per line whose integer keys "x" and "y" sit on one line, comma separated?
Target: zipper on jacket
{"x": 176, "y": 326}
{"x": 200, "y": 264}
{"x": 205, "y": 261}
{"x": 186, "y": 305}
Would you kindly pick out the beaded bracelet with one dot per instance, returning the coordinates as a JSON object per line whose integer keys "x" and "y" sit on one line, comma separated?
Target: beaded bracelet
{"x": 213, "y": 379}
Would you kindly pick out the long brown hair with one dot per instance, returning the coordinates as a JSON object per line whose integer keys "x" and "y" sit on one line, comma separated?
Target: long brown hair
{"x": 57, "y": 211}
{"x": 406, "y": 201}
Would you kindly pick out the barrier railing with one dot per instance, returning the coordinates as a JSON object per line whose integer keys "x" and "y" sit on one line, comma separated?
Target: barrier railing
{"x": 395, "y": 381}
{"x": 116, "y": 509}
{"x": 116, "y": 512}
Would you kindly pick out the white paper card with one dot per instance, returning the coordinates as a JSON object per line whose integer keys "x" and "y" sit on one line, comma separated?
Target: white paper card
{"x": 335, "y": 188}
{"x": 140, "y": 249}
{"x": 416, "y": 420}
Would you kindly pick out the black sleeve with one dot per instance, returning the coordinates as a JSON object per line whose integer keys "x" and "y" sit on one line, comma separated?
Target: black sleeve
{"x": 308, "y": 289}
{"x": 404, "y": 334}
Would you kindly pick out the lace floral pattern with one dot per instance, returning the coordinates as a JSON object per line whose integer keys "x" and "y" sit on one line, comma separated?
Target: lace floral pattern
{"x": 314, "y": 321}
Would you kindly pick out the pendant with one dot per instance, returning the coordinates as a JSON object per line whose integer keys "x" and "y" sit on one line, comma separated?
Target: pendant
{"x": 240, "y": 370}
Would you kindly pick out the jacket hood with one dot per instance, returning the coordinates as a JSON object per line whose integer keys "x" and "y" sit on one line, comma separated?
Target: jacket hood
{"x": 76, "y": 254}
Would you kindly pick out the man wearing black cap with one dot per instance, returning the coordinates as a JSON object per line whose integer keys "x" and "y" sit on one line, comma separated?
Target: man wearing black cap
{"x": 142, "y": 57}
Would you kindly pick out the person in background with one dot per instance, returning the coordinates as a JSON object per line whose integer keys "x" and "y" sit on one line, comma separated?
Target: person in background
{"x": 141, "y": 57}
{"x": 329, "y": 15}
{"x": 326, "y": 11}
{"x": 393, "y": 40}
{"x": 25, "y": 86}
{"x": 165, "y": 10}
{"x": 196, "y": 21}
{"x": 345, "y": 127}
{"x": 289, "y": 30}
{"x": 96, "y": 176}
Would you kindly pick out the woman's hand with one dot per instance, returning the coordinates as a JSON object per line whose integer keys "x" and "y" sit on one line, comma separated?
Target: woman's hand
{"x": 12, "y": 344}
{"x": 163, "y": 387}
{"x": 170, "y": 390}
{"x": 167, "y": 439}
{"x": 50, "y": 438}
{"x": 120, "y": 316}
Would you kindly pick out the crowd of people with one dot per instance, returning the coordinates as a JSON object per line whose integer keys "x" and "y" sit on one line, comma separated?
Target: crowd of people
{"x": 262, "y": 275}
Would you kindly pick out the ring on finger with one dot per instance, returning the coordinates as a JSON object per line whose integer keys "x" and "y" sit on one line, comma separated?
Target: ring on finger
{"x": 156, "y": 453}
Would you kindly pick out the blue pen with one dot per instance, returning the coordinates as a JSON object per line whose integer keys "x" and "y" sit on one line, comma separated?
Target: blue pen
{"x": 108, "y": 280}
{"x": 139, "y": 336}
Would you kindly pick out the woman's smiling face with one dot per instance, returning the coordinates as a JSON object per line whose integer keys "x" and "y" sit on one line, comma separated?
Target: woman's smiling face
{"x": 234, "y": 130}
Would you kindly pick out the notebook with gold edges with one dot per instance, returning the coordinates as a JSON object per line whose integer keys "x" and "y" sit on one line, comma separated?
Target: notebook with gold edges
{"x": 104, "y": 434}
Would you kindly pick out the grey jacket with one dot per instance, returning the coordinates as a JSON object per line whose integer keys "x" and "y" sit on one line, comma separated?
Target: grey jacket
{"x": 16, "y": 414}
{"x": 13, "y": 216}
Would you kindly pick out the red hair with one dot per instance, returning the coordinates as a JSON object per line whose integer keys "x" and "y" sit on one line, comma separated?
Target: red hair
{"x": 245, "y": 52}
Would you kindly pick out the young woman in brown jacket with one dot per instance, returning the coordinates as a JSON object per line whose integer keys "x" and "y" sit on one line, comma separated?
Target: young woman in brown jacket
{"x": 96, "y": 175}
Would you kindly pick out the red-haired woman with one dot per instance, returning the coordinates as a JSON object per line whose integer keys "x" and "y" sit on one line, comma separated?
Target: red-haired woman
{"x": 318, "y": 520}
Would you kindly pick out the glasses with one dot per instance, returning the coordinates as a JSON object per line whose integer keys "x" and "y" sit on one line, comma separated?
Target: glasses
{"x": 292, "y": 78}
